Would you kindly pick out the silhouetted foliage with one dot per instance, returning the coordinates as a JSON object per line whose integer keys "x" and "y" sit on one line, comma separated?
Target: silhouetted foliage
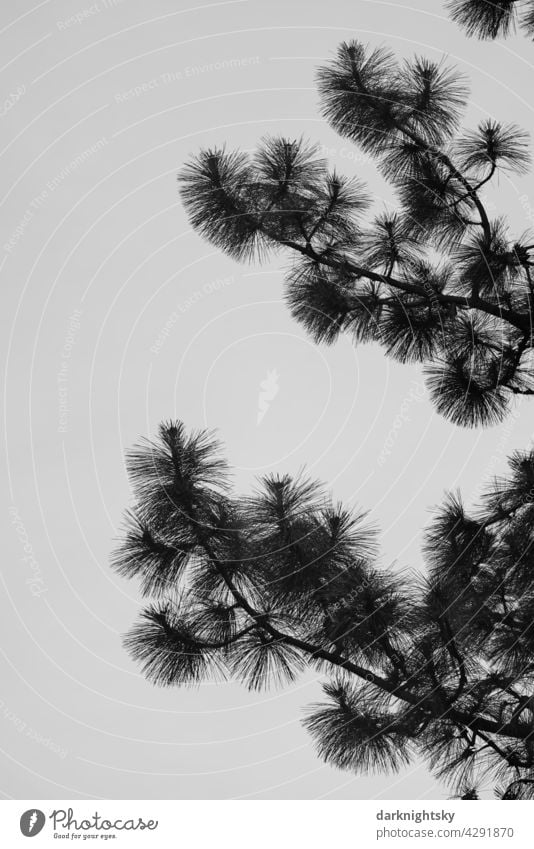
{"x": 493, "y": 18}
{"x": 436, "y": 281}
{"x": 259, "y": 588}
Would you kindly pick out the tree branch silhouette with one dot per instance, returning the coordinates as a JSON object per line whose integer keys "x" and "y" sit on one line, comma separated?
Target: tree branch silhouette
{"x": 260, "y": 587}
{"x": 491, "y": 19}
{"x": 437, "y": 281}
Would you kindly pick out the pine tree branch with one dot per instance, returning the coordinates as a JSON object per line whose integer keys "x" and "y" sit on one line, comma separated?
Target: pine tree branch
{"x": 440, "y": 692}
{"x": 487, "y": 178}
{"x": 262, "y": 620}
{"x": 452, "y": 648}
{"x": 516, "y": 319}
{"x": 397, "y": 661}
{"x": 529, "y": 279}
{"x": 425, "y": 704}
{"x": 439, "y": 156}
{"x": 522, "y": 345}
{"x": 518, "y": 781}
{"x": 222, "y": 644}
{"x": 510, "y": 757}
{"x": 314, "y": 651}
{"x": 480, "y": 724}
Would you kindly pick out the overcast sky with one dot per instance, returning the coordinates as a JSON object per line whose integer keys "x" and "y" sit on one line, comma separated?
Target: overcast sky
{"x": 118, "y": 316}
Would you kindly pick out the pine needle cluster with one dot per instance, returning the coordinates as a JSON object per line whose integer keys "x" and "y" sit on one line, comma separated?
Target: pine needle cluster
{"x": 437, "y": 280}
{"x": 259, "y": 588}
{"x": 490, "y": 19}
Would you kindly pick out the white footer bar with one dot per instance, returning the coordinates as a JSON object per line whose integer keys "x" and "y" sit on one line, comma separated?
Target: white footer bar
{"x": 266, "y": 824}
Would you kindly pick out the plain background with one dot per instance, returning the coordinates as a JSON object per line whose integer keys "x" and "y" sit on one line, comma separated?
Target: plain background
{"x": 107, "y": 237}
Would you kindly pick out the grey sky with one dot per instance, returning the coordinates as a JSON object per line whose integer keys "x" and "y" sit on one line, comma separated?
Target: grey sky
{"x": 118, "y": 316}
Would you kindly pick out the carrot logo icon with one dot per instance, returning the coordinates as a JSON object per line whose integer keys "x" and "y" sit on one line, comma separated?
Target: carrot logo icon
{"x": 269, "y": 390}
{"x": 32, "y": 822}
